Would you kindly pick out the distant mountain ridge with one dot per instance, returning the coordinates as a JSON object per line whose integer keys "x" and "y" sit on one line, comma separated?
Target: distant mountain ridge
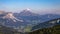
{"x": 47, "y": 24}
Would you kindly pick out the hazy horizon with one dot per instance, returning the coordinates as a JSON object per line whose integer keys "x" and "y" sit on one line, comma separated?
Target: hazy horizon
{"x": 39, "y": 6}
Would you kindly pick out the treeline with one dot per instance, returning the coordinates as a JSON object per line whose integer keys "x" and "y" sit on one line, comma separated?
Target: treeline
{"x": 51, "y": 30}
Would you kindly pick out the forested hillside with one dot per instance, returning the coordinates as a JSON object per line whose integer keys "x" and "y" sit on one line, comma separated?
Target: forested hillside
{"x": 51, "y": 30}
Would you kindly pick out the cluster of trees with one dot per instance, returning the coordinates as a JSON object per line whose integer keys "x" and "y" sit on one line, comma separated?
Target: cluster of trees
{"x": 51, "y": 30}
{"x": 5, "y": 30}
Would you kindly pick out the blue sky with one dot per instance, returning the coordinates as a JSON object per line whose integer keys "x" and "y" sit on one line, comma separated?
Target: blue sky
{"x": 14, "y": 5}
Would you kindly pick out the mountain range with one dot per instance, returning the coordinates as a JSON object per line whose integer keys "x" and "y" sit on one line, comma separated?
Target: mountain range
{"x": 25, "y": 19}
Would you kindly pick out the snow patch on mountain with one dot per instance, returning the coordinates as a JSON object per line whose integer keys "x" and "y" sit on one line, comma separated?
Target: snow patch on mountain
{"x": 10, "y": 16}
